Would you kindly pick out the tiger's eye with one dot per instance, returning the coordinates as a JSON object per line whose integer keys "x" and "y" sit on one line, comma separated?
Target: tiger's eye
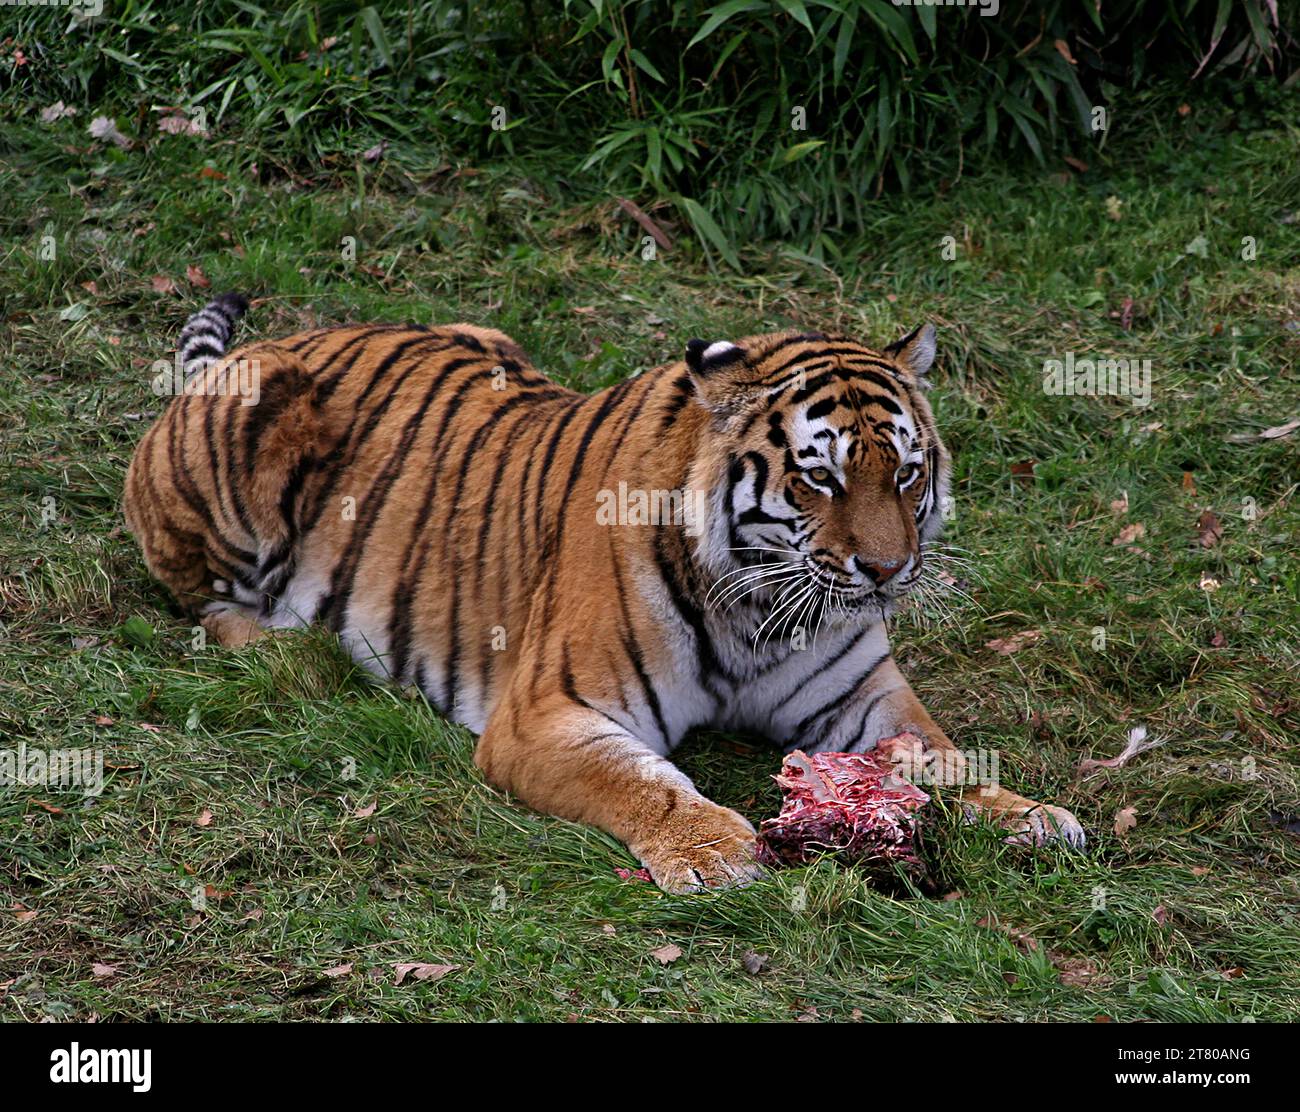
{"x": 818, "y": 474}
{"x": 906, "y": 473}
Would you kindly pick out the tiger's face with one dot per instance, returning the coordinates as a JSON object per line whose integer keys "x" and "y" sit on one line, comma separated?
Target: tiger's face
{"x": 835, "y": 476}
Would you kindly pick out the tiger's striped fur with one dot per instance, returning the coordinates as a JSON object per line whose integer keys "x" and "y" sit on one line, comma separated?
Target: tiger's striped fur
{"x": 432, "y": 497}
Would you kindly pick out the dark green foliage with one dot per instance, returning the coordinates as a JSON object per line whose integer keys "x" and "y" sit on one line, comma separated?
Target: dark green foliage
{"x": 749, "y": 118}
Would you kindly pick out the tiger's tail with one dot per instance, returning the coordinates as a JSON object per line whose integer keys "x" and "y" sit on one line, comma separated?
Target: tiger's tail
{"x": 207, "y": 333}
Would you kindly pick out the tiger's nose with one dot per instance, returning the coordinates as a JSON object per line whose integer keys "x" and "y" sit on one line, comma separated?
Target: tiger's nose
{"x": 878, "y": 571}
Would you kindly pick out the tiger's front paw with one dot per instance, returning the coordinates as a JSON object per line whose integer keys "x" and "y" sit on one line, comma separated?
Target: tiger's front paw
{"x": 1043, "y": 824}
{"x": 707, "y": 846}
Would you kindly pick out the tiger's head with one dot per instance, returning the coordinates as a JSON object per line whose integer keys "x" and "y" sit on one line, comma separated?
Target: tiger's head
{"x": 821, "y": 461}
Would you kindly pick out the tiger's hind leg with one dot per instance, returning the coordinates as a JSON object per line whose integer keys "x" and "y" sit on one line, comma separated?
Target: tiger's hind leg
{"x": 211, "y": 491}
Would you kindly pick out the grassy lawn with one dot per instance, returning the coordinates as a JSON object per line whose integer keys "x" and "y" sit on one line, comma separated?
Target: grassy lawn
{"x": 275, "y": 835}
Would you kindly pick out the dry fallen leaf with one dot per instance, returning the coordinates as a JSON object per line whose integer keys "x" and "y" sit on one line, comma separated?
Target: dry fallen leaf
{"x": 204, "y": 819}
{"x": 1209, "y": 530}
{"x": 1077, "y": 972}
{"x": 421, "y": 971}
{"x": 98, "y": 969}
{"x": 197, "y": 278}
{"x": 666, "y": 955}
{"x": 176, "y": 122}
{"x": 1024, "y": 471}
{"x": 364, "y": 812}
{"x": 1125, "y": 820}
{"x": 1278, "y": 431}
{"x": 25, "y": 916}
{"x": 1017, "y": 641}
{"x": 1120, "y": 506}
{"x": 754, "y": 963}
{"x": 56, "y": 111}
{"x": 337, "y": 970}
{"x": 105, "y": 127}
{"x": 1130, "y": 533}
{"x": 162, "y": 284}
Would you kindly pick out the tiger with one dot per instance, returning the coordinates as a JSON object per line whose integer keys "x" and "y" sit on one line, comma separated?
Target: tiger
{"x": 477, "y": 532}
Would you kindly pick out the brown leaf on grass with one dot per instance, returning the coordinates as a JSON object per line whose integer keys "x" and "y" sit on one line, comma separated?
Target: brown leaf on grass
{"x": 103, "y": 720}
{"x": 253, "y": 916}
{"x": 197, "y": 278}
{"x": 1137, "y": 743}
{"x": 1189, "y": 483}
{"x": 56, "y": 111}
{"x": 162, "y": 284}
{"x": 26, "y": 915}
{"x": 1063, "y": 49}
{"x": 1017, "y": 641}
{"x": 1159, "y": 914}
{"x": 754, "y": 963}
{"x": 364, "y": 812}
{"x": 212, "y": 892}
{"x": 337, "y": 970}
{"x": 666, "y": 955}
{"x": 98, "y": 969}
{"x": 1233, "y": 973}
{"x": 53, "y": 810}
{"x": 1279, "y": 431}
{"x": 105, "y": 127}
{"x": 1130, "y": 533}
{"x": 1209, "y": 530}
{"x": 91, "y": 287}
{"x": 204, "y": 819}
{"x": 1119, "y": 507}
{"x": 421, "y": 971}
{"x": 209, "y": 172}
{"x": 1218, "y": 640}
{"x": 1125, "y": 820}
{"x": 1076, "y": 164}
{"x": 1023, "y": 471}
{"x": 1077, "y": 972}
{"x": 175, "y": 121}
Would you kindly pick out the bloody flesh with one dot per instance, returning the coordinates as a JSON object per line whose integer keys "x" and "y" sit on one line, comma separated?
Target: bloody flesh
{"x": 853, "y": 805}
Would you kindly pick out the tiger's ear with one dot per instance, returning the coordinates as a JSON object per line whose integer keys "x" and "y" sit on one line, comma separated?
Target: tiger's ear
{"x": 704, "y": 358}
{"x": 716, "y": 370}
{"x": 915, "y": 351}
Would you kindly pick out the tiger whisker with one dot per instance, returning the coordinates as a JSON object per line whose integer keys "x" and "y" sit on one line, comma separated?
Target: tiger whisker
{"x": 758, "y": 576}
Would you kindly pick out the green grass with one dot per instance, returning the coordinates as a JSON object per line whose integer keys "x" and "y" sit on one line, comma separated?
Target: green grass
{"x": 1192, "y": 914}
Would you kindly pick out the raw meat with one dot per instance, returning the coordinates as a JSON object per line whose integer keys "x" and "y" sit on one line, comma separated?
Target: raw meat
{"x": 853, "y": 805}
